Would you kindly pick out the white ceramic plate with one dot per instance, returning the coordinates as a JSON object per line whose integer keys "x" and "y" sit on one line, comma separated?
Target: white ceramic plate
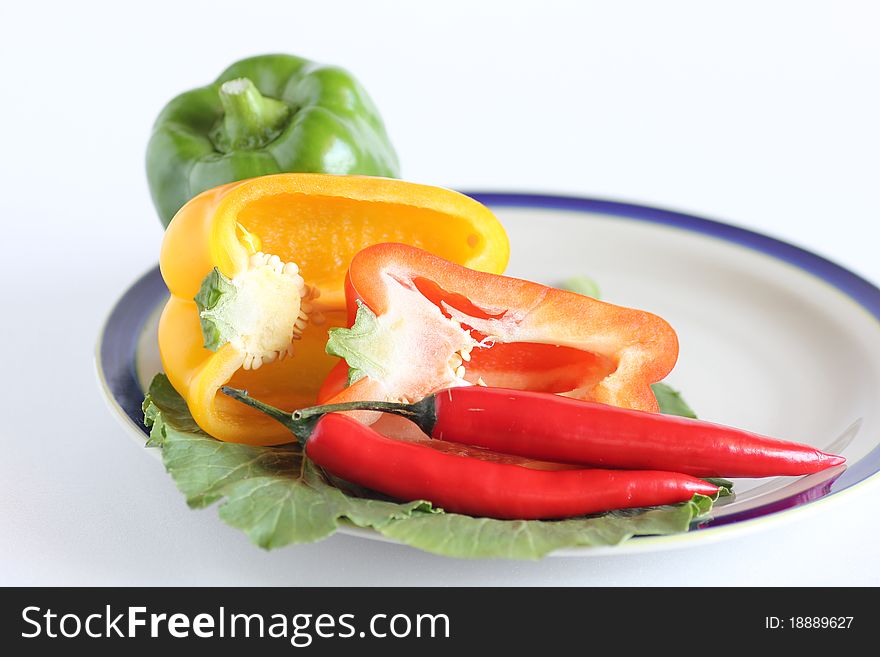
{"x": 773, "y": 338}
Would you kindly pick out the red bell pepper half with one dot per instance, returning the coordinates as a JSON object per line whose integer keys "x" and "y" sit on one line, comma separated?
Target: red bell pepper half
{"x": 419, "y": 323}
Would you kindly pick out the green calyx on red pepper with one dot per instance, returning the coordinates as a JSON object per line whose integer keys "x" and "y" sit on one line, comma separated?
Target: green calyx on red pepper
{"x": 264, "y": 115}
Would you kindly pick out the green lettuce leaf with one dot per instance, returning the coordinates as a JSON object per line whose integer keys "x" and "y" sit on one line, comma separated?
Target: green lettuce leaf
{"x": 274, "y": 494}
{"x": 582, "y": 285}
{"x": 278, "y": 497}
{"x": 670, "y": 400}
{"x": 456, "y": 535}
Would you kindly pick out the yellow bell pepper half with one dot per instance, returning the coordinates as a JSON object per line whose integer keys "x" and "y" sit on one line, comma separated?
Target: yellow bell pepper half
{"x": 256, "y": 271}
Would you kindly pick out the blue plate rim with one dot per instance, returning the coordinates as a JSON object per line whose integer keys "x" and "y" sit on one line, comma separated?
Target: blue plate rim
{"x": 118, "y": 341}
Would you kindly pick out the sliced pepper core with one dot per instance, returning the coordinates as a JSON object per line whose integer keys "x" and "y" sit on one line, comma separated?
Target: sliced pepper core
{"x": 455, "y": 348}
{"x": 258, "y": 311}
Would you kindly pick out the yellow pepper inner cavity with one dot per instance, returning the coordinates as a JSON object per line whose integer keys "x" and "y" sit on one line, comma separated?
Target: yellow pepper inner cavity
{"x": 324, "y": 233}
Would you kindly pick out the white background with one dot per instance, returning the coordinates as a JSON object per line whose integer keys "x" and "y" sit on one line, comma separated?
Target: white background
{"x": 764, "y": 114}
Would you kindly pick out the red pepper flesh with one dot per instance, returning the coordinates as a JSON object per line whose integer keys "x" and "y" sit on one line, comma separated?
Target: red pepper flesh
{"x": 419, "y": 323}
{"x": 461, "y": 484}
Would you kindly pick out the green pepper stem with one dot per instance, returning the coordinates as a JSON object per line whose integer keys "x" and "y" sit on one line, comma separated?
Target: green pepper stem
{"x": 251, "y": 120}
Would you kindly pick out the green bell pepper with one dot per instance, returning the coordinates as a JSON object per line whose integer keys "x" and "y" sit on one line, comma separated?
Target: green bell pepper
{"x": 263, "y": 115}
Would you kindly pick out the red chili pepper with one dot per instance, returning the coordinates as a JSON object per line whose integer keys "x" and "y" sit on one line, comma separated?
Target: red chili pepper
{"x": 554, "y": 428}
{"x": 462, "y": 484}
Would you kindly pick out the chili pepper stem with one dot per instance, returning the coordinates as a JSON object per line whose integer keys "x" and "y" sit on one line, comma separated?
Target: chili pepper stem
{"x": 250, "y": 119}
{"x": 302, "y": 429}
{"x": 301, "y": 422}
{"x": 422, "y": 412}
